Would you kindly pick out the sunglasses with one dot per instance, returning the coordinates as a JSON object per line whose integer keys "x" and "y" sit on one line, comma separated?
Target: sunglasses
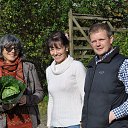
{"x": 10, "y": 48}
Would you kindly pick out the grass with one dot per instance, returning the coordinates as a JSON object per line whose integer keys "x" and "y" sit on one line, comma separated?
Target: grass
{"x": 43, "y": 107}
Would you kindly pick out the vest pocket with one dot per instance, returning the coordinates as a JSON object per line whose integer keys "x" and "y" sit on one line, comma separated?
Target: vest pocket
{"x": 107, "y": 116}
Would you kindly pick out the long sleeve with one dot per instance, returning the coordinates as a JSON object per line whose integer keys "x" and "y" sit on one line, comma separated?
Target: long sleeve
{"x": 49, "y": 112}
{"x": 50, "y": 103}
{"x": 35, "y": 89}
{"x": 122, "y": 110}
{"x": 80, "y": 78}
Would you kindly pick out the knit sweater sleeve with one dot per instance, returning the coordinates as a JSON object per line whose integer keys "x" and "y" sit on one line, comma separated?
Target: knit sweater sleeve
{"x": 50, "y": 102}
{"x": 80, "y": 78}
{"x": 49, "y": 110}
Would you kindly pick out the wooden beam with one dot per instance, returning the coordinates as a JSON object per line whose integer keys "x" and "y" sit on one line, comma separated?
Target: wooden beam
{"x": 79, "y": 38}
{"x": 81, "y": 30}
{"x": 82, "y": 48}
{"x": 70, "y": 33}
{"x": 84, "y": 28}
{"x": 83, "y": 56}
{"x": 95, "y": 18}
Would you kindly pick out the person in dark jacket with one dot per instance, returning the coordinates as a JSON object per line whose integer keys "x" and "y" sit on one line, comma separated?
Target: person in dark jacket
{"x": 106, "y": 84}
{"x": 24, "y": 113}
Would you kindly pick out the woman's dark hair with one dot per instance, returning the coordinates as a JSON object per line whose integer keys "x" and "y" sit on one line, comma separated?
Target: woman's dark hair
{"x": 8, "y": 41}
{"x": 56, "y": 37}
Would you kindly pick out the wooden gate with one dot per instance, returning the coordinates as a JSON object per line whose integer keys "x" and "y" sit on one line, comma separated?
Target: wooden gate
{"x": 79, "y": 41}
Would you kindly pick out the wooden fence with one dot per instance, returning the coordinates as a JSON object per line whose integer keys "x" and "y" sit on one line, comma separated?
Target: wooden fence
{"x": 78, "y": 27}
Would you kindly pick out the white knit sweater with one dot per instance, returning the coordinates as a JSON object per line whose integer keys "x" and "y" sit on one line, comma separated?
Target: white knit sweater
{"x": 66, "y": 92}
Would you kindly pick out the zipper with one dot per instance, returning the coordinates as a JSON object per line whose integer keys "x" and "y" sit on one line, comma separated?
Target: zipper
{"x": 90, "y": 90}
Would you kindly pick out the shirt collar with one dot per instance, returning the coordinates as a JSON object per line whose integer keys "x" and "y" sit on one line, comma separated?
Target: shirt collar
{"x": 97, "y": 59}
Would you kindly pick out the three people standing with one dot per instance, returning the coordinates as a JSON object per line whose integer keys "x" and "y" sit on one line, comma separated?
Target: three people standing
{"x": 106, "y": 83}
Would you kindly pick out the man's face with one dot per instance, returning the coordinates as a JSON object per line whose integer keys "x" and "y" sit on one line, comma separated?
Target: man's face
{"x": 100, "y": 42}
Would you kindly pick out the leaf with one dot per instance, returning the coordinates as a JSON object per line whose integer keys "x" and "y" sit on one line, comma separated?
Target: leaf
{"x": 11, "y": 89}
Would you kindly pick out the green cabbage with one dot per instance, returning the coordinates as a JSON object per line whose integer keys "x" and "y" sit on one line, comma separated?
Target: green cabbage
{"x": 11, "y": 89}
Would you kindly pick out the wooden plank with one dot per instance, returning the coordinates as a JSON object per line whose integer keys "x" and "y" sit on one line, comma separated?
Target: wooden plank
{"x": 84, "y": 28}
{"x": 110, "y": 25}
{"x": 83, "y": 57}
{"x": 120, "y": 29}
{"x": 82, "y": 48}
{"x": 79, "y": 14}
{"x": 81, "y": 30}
{"x": 71, "y": 33}
{"x": 78, "y": 38}
{"x": 114, "y": 29}
{"x": 95, "y": 18}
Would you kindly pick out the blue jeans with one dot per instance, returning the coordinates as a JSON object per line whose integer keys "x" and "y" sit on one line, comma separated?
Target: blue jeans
{"x": 72, "y": 126}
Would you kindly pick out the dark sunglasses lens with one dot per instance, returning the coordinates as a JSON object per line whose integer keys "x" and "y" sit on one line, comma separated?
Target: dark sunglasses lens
{"x": 9, "y": 49}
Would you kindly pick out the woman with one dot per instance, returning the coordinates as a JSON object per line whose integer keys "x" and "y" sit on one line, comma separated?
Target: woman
{"x": 25, "y": 113}
{"x": 65, "y": 78}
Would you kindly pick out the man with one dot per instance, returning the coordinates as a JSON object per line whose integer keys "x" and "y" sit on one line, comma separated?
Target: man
{"x": 106, "y": 84}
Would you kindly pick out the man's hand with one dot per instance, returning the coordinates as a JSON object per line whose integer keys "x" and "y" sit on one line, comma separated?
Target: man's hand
{"x": 111, "y": 117}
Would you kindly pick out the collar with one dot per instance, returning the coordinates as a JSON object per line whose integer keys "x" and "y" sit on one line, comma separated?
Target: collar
{"x": 62, "y": 67}
{"x": 106, "y": 58}
{"x": 107, "y": 54}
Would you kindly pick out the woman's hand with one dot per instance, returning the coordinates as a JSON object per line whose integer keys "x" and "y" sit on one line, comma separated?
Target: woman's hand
{"x": 8, "y": 106}
{"x": 22, "y": 100}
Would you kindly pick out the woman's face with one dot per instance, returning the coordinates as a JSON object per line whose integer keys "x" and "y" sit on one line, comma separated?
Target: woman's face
{"x": 59, "y": 53}
{"x": 10, "y": 54}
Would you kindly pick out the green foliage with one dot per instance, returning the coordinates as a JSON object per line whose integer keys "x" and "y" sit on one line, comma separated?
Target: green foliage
{"x": 105, "y": 8}
{"x": 34, "y": 20}
{"x": 121, "y": 40}
{"x": 11, "y": 89}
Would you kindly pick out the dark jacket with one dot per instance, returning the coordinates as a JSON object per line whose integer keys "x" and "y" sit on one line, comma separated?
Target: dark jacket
{"x": 103, "y": 92}
{"x": 34, "y": 92}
